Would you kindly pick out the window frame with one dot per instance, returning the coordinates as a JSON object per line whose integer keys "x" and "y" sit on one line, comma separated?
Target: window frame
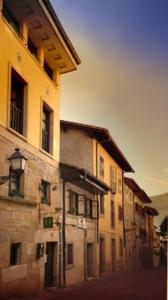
{"x": 15, "y": 253}
{"x": 50, "y": 119}
{"x": 101, "y": 166}
{"x": 18, "y": 179}
{"x": 46, "y": 199}
{"x": 23, "y": 132}
{"x": 112, "y": 214}
{"x": 69, "y": 264}
{"x": 120, "y": 213}
{"x": 102, "y": 204}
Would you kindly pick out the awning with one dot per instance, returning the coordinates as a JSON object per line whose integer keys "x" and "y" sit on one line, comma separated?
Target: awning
{"x": 83, "y": 179}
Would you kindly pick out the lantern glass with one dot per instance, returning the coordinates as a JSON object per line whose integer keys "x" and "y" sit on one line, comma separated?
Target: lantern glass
{"x": 18, "y": 161}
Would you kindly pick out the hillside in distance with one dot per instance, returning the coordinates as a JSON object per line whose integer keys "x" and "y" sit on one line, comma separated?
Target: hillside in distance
{"x": 160, "y": 202}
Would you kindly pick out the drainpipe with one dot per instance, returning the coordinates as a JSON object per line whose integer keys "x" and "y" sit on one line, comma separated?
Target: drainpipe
{"x": 63, "y": 234}
{"x": 134, "y": 231}
{"x": 123, "y": 205}
{"x": 85, "y": 255}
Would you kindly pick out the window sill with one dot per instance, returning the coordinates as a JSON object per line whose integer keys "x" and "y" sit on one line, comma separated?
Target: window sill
{"x": 46, "y": 153}
{"x": 18, "y": 200}
{"x": 17, "y": 134}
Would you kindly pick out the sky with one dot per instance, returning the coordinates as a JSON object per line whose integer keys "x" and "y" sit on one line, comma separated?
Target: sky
{"x": 122, "y": 82}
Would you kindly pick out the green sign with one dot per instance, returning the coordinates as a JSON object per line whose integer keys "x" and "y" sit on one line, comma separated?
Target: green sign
{"x": 48, "y": 222}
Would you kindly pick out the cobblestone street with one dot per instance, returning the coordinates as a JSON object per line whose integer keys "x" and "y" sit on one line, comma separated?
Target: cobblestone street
{"x": 137, "y": 285}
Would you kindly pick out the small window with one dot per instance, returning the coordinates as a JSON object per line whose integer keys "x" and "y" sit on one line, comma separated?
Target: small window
{"x": 17, "y": 103}
{"x": 15, "y": 253}
{"x": 102, "y": 204}
{"x": 48, "y": 70}
{"x": 73, "y": 203}
{"x": 46, "y": 129}
{"x": 113, "y": 179}
{"x": 10, "y": 18}
{"x": 101, "y": 166}
{"x": 120, "y": 213}
{"x": 45, "y": 189}
{"x": 121, "y": 247}
{"x": 112, "y": 214}
{"x": 69, "y": 257}
{"x": 32, "y": 48}
{"x": 119, "y": 185}
{"x": 88, "y": 208}
{"x": 15, "y": 184}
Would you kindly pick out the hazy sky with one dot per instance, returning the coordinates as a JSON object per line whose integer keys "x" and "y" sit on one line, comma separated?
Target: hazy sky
{"x": 122, "y": 82}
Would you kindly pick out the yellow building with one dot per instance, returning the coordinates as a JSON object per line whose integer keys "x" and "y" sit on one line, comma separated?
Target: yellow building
{"x": 34, "y": 52}
{"x": 139, "y": 227}
{"x": 93, "y": 149}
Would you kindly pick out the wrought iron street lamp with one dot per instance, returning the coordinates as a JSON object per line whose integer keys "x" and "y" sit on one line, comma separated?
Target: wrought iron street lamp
{"x": 18, "y": 162}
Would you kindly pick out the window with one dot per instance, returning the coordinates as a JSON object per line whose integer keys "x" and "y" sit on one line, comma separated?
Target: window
{"x": 46, "y": 129}
{"x": 121, "y": 247}
{"x": 48, "y": 70}
{"x": 112, "y": 214}
{"x": 32, "y": 48}
{"x": 119, "y": 185}
{"x": 15, "y": 186}
{"x": 102, "y": 204}
{"x": 101, "y": 166}
{"x": 17, "y": 102}
{"x": 88, "y": 208}
{"x": 44, "y": 188}
{"x": 120, "y": 213}
{"x": 113, "y": 179}
{"x": 73, "y": 203}
{"x": 69, "y": 256}
{"x": 10, "y": 18}
{"x": 15, "y": 253}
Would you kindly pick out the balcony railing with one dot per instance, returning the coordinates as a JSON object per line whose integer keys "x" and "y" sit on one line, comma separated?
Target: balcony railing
{"x": 16, "y": 117}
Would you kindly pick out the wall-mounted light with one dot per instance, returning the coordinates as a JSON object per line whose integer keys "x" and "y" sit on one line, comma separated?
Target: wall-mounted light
{"x": 18, "y": 162}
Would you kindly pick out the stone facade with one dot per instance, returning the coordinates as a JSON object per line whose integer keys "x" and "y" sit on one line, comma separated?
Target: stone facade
{"x": 22, "y": 218}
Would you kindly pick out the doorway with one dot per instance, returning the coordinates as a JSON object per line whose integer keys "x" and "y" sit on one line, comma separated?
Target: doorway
{"x": 50, "y": 265}
{"x": 113, "y": 254}
{"x": 102, "y": 255}
{"x": 90, "y": 260}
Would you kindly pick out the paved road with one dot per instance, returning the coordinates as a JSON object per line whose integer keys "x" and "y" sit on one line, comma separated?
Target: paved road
{"x": 137, "y": 285}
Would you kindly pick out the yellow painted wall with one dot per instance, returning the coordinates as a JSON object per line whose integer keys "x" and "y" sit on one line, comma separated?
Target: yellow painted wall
{"x": 105, "y": 220}
{"x": 13, "y": 53}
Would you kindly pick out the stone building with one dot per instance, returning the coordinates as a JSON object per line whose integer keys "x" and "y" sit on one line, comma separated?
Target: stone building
{"x": 91, "y": 148}
{"x": 139, "y": 227}
{"x": 34, "y": 52}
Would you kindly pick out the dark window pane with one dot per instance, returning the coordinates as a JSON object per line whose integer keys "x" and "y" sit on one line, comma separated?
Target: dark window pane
{"x": 69, "y": 254}
{"x": 16, "y": 102}
{"x": 102, "y": 204}
{"x": 10, "y": 18}
{"x": 45, "y": 129}
{"x": 48, "y": 70}
{"x": 15, "y": 253}
{"x": 44, "y": 192}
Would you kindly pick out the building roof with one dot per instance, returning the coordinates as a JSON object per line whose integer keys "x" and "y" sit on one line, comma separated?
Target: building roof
{"x": 104, "y": 138}
{"x": 151, "y": 211}
{"x": 137, "y": 190}
{"x": 61, "y": 30}
{"x": 83, "y": 178}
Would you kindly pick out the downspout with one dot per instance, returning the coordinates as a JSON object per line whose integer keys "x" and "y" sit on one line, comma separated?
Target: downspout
{"x": 123, "y": 205}
{"x": 97, "y": 221}
{"x": 134, "y": 230}
{"x": 63, "y": 233}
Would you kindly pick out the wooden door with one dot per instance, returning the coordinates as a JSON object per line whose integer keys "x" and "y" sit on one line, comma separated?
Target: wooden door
{"x": 113, "y": 254}
{"x": 90, "y": 260}
{"x": 50, "y": 263}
